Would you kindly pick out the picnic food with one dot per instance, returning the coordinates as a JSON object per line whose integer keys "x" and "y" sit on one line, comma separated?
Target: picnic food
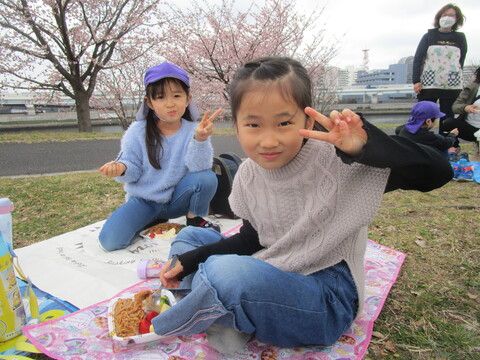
{"x": 161, "y": 306}
{"x": 162, "y": 228}
{"x": 133, "y": 316}
{"x": 127, "y": 315}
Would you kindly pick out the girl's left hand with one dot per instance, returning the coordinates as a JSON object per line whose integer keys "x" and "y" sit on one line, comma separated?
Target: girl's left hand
{"x": 169, "y": 277}
{"x": 344, "y": 130}
{"x": 205, "y": 127}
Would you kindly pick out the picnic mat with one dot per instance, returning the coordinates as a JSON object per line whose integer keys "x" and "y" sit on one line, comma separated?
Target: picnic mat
{"x": 74, "y": 268}
{"x": 49, "y": 307}
{"x": 84, "y": 334}
{"x": 465, "y": 175}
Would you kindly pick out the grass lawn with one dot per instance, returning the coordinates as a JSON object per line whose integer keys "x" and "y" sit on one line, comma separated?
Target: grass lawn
{"x": 432, "y": 311}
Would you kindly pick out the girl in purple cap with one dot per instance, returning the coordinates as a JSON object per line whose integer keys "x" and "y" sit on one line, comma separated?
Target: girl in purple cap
{"x": 164, "y": 162}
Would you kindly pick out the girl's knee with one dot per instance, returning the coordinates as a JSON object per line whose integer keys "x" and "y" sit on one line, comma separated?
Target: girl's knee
{"x": 197, "y": 236}
{"x": 229, "y": 272}
{"x": 205, "y": 179}
{"x": 109, "y": 242}
{"x": 207, "y": 176}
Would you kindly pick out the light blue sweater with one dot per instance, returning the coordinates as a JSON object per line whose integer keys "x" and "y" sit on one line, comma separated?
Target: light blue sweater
{"x": 181, "y": 154}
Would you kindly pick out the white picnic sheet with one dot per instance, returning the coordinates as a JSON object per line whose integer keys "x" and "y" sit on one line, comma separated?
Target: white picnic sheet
{"x": 73, "y": 267}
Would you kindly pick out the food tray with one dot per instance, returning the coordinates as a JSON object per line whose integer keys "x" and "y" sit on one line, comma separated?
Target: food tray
{"x": 148, "y": 234}
{"x": 137, "y": 339}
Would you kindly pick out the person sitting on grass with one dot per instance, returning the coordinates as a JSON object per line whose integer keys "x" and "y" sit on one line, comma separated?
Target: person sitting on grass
{"x": 422, "y": 121}
{"x": 306, "y": 198}
{"x": 165, "y": 161}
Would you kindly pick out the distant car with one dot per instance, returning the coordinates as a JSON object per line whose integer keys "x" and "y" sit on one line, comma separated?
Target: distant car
{"x": 18, "y": 111}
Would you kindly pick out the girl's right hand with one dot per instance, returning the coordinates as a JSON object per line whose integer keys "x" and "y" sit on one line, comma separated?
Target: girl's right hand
{"x": 169, "y": 278}
{"x": 113, "y": 169}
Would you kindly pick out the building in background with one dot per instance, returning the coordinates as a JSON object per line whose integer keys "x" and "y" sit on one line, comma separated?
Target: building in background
{"x": 400, "y": 73}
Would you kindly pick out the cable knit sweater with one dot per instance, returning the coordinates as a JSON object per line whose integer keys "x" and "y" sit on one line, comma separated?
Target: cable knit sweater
{"x": 181, "y": 154}
{"x": 313, "y": 212}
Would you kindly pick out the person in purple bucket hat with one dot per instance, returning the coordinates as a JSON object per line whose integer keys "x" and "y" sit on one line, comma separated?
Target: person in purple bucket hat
{"x": 164, "y": 161}
{"x": 420, "y": 124}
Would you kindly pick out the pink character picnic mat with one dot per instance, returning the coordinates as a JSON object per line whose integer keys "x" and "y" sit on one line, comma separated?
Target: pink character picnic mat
{"x": 84, "y": 334}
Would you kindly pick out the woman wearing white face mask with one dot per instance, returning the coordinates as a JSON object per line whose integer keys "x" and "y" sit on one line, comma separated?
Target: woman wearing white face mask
{"x": 438, "y": 63}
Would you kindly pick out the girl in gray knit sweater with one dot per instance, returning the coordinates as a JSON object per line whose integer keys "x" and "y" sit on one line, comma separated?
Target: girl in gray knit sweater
{"x": 294, "y": 275}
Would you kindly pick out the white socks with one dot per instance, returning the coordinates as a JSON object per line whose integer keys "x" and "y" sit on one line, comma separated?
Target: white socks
{"x": 226, "y": 340}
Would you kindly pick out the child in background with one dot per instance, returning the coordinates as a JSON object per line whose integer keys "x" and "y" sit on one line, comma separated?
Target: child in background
{"x": 294, "y": 274}
{"x": 421, "y": 122}
{"x": 164, "y": 162}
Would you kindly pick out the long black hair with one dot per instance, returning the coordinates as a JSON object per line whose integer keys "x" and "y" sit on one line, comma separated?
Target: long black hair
{"x": 153, "y": 135}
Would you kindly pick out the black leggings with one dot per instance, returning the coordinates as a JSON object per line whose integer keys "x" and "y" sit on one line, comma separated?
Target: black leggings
{"x": 446, "y": 98}
{"x": 465, "y": 130}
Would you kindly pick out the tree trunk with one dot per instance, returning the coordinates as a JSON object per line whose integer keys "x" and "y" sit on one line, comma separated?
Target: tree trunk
{"x": 82, "y": 103}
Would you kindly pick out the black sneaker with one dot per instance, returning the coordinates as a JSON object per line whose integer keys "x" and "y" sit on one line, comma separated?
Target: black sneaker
{"x": 198, "y": 221}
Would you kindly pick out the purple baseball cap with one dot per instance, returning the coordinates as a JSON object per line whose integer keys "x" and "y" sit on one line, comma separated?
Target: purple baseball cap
{"x": 422, "y": 111}
{"x": 166, "y": 70}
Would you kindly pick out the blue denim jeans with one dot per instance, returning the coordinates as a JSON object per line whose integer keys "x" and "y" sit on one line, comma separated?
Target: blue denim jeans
{"x": 192, "y": 194}
{"x": 283, "y": 308}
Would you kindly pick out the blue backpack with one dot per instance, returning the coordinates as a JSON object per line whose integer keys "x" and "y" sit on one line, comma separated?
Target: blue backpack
{"x": 225, "y": 167}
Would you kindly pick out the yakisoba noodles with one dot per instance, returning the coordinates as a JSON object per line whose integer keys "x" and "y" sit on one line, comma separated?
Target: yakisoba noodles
{"x": 128, "y": 314}
{"x": 164, "y": 227}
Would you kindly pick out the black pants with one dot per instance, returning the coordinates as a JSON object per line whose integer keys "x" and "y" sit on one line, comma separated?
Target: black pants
{"x": 465, "y": 130}
{"x": 446, "y": 98}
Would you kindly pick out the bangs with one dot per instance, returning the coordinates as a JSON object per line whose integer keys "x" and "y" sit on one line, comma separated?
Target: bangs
{"x": 290, "y": 88}
{"x": 161, "y": 86}
{"x": 283, "y": 74}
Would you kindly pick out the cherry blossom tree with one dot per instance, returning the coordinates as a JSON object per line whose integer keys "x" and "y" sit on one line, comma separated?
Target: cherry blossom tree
{"x": 120, "y": 90}
{"x": 211, "y": 41}
{"x": 63, "y": 45}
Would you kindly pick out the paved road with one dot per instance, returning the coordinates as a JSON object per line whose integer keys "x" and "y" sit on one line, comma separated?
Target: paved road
{"x": 82, "y": 155}
{"x": 57, "y": 157}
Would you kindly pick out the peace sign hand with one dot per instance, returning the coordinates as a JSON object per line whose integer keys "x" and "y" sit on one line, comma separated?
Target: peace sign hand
{"x": 205, "y": 127}
{"x": 344, "y": 130}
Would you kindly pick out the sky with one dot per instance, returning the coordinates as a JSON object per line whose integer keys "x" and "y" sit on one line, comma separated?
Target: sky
{"x": 390, "y": 29}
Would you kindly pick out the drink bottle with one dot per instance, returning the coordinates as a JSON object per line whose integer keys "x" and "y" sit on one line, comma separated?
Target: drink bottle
{"x": 12, "y": 311}
{"x": 6, "y": 208}
{"x": 149, "y": 268}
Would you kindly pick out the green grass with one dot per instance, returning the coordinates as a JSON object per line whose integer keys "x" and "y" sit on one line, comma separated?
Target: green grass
{"x": 432, "y": 312}
{"x": 37, "y": 137}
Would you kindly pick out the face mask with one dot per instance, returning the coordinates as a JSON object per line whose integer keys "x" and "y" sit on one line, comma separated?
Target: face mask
{"x": 447, "y": 21}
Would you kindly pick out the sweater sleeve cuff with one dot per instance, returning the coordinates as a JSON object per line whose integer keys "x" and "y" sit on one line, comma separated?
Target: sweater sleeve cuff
{"x": 130, "y": 174}
{"x": 199, "y": 155}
